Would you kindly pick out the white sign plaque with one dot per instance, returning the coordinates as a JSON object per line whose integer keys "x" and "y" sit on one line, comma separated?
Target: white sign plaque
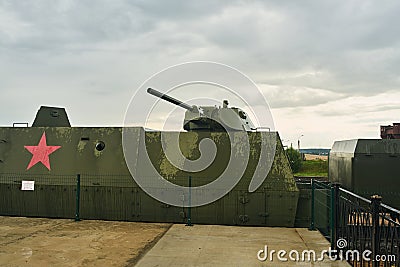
{"x": 28, "y": 185}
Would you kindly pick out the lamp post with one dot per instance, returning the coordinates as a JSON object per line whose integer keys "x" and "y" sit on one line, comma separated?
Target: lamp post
{"x": 298, "y": 141}
{"x": 285, "y": 141}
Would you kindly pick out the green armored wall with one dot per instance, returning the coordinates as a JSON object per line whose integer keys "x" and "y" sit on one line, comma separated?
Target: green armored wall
{"x": 109, "y": 192}
{"x": 367, "y": 167}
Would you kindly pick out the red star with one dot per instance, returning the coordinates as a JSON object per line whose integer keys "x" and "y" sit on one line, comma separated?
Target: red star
{"x": 41, "y": 152}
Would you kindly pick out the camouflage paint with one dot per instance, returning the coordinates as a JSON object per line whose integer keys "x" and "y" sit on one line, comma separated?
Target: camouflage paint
{"x": 109, "y": 192}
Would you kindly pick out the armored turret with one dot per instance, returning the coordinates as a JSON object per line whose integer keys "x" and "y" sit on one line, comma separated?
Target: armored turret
{"x": 210, "y": 118}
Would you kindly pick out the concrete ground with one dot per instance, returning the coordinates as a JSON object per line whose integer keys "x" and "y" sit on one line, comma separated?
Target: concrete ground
{"x": 56, "y": 242}
{"x": 215, "y": 245}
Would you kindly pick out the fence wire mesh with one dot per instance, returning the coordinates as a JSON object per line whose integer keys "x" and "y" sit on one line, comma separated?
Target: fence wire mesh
{"x": 355, "y": 224}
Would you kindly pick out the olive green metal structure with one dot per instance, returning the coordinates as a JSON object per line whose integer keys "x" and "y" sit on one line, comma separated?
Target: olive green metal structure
{"x": 368, "y": 167}
{"x": 210, "y": 118}
{"x": 52, "y": 154}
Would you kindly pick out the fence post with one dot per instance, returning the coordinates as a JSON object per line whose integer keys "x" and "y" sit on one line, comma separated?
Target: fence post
{"x": 312, "y": 224}
{"x": 375, "y": 207}
{"x": 334, "y": 214}
{"x": 78, "y": 195}
{"x": 189, "y": 220}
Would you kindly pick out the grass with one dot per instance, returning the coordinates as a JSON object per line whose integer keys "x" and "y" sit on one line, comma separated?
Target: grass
{"x": 313, "y": 168}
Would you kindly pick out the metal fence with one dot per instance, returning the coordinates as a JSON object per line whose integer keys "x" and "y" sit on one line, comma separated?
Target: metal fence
{"x": 68, "y": 196}
{"x": 365, "y": 232}
{"x": 118, "y": 197}
{"x": 321, "y": 212}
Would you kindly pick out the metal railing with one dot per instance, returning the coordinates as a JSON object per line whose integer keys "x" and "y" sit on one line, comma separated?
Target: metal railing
{"x": 365, "y": 232}
{"x": 321, "y": 217}
{"x": 108, "y": 196}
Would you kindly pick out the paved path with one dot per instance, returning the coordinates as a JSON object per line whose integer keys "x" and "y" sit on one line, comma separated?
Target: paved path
{"x": 215, "y": 245}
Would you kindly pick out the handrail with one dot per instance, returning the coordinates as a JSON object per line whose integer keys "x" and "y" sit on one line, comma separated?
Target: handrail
{"x": 355, "y": 195}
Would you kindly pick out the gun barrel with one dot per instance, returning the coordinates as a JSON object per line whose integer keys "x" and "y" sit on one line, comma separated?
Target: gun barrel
{"x": 169, "y": 99}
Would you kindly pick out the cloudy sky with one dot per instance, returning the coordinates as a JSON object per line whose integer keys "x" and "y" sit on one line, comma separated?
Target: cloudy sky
{"x": 330, "y": 70}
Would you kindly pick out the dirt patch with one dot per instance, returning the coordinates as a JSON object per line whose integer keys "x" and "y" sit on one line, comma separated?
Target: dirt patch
{"x": 316, "y": 157}
{"x": 59, "y": 242}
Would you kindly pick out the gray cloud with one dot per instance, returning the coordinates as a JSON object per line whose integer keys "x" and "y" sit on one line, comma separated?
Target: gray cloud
{"x": 295, "y": 97}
